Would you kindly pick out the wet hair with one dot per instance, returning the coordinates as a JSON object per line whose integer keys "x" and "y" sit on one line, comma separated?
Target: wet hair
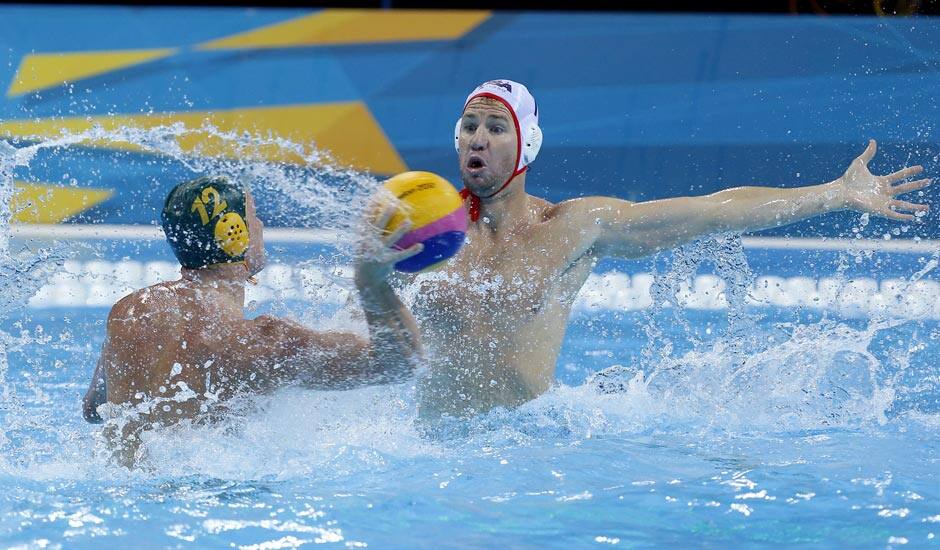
{"x": 204, "y": 222}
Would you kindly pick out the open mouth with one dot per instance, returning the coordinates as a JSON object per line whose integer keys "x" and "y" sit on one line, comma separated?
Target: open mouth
{"x": 475, "y": 163}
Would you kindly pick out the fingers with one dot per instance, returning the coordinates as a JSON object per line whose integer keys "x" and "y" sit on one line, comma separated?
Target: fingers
{"x": 908, "y": 206}
{"x": 395, "y": 236}
{"x": 891, "y": 214}
{"x": 385, "y": 214}
{"x": 904, "y": 174}
{"x": 896, "y": 209}
{"x": 412, "y": 250}
{"x": 869, "y": 152}
{"x": 910, "y": 186}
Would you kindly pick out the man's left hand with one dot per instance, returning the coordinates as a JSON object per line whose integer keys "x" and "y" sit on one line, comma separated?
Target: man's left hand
{"x": 865, "y": 192}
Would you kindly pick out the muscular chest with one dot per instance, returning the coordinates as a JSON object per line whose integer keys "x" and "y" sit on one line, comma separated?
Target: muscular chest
{"x": 489, "y": 286}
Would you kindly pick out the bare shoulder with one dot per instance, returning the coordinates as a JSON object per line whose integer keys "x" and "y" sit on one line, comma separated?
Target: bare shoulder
{"x": 139, "y": 324}
{"x": 561, "y": 209}
{"x": 584, "y": 206}
{"x": 152, "y": 305}
{"x": 540, "y": 204}
{"x": 572, "y": 227}
{"x": 573, "y": 214}
{"x": 143, "y": 328}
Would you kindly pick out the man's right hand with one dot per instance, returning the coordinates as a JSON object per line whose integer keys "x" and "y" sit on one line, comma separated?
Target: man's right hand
{"x": 374, "y": 265}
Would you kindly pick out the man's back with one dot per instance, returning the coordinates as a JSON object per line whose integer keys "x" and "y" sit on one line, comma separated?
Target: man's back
{"x": 180, "y": 347}
{"x": 169, "y": 338}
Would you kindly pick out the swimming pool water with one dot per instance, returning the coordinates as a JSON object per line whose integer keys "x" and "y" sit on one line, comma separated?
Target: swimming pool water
{"x": 800, "y": 427}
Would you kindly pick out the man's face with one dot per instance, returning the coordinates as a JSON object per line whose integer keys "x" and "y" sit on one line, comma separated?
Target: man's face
{"x": 486, "y": 146}
{"x": 255, "y": 256}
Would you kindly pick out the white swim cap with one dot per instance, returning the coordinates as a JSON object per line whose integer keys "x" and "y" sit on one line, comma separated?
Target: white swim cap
{"x": 525, "y": 114}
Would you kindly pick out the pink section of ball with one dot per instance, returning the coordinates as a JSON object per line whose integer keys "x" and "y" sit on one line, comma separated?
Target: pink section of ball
{"x": 455, "y": 221}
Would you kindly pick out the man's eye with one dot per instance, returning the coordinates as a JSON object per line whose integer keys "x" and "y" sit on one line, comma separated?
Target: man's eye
{"x": 470, "y": 127}
{"x": 497, "y": 129}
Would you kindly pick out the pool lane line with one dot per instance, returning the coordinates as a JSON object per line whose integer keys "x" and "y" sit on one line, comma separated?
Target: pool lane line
{"x": 331, "y": 237}
{"x": 907, "y": 246}
{"x": 106, "y": 232}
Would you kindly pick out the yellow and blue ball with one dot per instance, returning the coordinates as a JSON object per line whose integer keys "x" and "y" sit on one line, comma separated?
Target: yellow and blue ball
{"x": 438, "y": 219}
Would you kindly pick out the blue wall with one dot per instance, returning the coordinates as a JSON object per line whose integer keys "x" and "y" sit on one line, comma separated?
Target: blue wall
{"x": 636, "y": 106}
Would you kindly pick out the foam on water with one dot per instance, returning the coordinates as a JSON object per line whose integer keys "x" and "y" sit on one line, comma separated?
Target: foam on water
{"x": 332, "y": 194}
{"x": 819, "y": 376}
{"x": 812, "y": 377}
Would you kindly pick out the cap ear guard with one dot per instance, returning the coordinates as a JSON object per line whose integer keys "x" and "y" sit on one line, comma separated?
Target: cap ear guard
{"x": 231, "y": 234}
{"x": 532, "y": 144}
{"x": 457, "y": 134}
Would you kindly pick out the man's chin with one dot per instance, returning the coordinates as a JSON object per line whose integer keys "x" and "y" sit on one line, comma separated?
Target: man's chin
{"x": 477, "y": 183}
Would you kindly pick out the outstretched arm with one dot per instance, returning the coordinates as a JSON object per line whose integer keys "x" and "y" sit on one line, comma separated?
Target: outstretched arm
{"x": 624, "y": 229}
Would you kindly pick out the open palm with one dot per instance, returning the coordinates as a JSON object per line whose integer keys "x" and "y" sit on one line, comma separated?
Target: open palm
{"x": 866, "y": 192}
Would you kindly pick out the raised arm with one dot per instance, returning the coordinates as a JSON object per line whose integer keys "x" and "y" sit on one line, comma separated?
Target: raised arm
{"x": 624, "y": 229}
{"x": 394, "y": 347}
{"x": 289, "y": 351}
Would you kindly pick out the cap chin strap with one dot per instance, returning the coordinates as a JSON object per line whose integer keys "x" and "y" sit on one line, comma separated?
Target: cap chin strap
{"x": 474, "y": 207}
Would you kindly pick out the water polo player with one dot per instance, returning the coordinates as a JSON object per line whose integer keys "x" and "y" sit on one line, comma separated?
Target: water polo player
{"x": 495, "y": 317}
{"x": 174, "y": 349}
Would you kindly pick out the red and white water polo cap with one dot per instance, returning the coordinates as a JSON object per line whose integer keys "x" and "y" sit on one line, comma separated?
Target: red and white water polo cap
{"x": 525, "y": 115}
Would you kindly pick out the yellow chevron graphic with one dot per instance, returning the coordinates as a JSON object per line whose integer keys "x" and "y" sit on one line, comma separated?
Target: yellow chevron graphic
{"x": 326, "y": 27}
{"x": 40, "y": 71}
{"x": 346, "y": 130}
{"x": 47, "y": 203}
{"x": 352, "y": 26}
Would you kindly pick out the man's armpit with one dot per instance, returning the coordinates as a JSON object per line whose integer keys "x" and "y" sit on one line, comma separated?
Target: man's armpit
{"x": 572, "y": 231}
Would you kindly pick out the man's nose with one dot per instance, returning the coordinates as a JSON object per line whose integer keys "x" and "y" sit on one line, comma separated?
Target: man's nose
{"x": 478, "y": 141}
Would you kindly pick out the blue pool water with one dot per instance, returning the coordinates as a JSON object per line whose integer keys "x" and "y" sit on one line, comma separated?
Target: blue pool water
{"x": 767, "y": 425}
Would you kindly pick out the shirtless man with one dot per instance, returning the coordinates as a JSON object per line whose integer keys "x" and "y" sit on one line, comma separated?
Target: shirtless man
{"x": 495, "y": 316}
{"x": 175, "y": 349}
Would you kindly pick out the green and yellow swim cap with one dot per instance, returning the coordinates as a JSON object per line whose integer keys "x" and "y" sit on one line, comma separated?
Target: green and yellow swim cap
{"x": 204, "y": 222}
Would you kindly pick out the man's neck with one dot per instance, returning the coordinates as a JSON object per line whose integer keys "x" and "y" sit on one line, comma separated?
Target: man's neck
{"x": 507, "y": 209}
{"x": 228, "y": 279}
